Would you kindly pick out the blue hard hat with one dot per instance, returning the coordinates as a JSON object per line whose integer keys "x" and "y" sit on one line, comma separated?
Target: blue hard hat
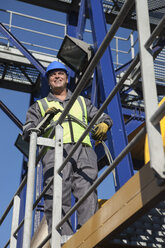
{"x": 55, "y": 65}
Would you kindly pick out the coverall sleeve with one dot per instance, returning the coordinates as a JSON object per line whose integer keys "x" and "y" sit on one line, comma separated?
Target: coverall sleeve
{"x": 33, "y": 118}
{"x": 91, "y": 112}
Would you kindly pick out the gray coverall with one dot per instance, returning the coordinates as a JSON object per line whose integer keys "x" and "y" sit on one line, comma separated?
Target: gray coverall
{"x": 79, "y": 173}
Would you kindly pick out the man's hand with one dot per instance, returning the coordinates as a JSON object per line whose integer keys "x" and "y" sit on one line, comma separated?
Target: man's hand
{"x": 51, "y": 110}
{"x": 100, "y": 131}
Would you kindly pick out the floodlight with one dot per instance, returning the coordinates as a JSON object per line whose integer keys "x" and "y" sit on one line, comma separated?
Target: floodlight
{"x": 75, "y": 53}
{"x": 22, "y": 145}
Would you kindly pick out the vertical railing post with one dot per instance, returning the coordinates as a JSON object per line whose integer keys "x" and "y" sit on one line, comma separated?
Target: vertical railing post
{"x": 57, "y": 186}
{"x": 10, "y": 24}
{"x": 15, "y": 221}
{"x": 132, "y": 46}
{"x": 30, "y": 189}
{"x": 149, "y": 89}
{"x": 117, "y": 52}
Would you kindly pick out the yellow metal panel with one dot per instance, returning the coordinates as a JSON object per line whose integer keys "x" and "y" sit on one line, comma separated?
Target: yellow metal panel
{"x": 138, "y": 151}
{"x": 162, "y": 127}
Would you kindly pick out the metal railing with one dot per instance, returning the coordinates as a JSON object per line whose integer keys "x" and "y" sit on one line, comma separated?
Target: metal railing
{"x": 39, "y": 48}
{"x": 50, "y": 51}
{"x": 154, "y": 115}
{"x": 131, "y": 50}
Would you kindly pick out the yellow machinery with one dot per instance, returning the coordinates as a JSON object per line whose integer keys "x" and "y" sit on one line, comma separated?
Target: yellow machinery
{"x": 162, "y": 126}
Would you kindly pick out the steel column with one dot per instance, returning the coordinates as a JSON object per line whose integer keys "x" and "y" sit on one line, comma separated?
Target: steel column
{"x": 74, "y": 29}
{"x": 149, "y": 89}
{"x": 125, "y": 169}
{"x": 57, "y": 186}
{"x": 15, "y": 220}
{"x": 81, "y": 20}
{"x": 72, "y": 20}
{"x": 30, "y": 190}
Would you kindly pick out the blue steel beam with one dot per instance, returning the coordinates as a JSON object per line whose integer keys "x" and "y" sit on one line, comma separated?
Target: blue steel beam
{"x": 72, "y": 22}
{"x": 81, "y": 20}
{"x": 119, "y": 138}
{"x": 22, "y": 49}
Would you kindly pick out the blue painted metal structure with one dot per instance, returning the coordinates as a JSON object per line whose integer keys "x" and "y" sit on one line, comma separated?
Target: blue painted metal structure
{"x": 81, "y": 20}
{"x": 104, "y": 74}
{"x": 72, "y": 22}
{"x": 106, "y": 80}
{"x": 103, "y": 82}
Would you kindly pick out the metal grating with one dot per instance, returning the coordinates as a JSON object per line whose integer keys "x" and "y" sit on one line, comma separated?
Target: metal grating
{"x": 148, "y": 231}
{"x": 156, "y": 10}
{"x": 160, "y": 67}
{"x": 18, "y": 73}
{"x": 19, "y": 77}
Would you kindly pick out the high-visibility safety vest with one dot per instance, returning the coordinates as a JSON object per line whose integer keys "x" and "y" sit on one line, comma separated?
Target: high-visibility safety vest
{"x": 72, "y": 131}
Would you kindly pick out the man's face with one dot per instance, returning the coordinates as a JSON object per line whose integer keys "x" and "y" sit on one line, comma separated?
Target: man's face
{"x": 57, "y": 80}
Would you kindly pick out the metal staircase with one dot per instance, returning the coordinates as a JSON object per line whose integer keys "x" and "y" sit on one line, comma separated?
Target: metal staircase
{"x": 135, "y": 215}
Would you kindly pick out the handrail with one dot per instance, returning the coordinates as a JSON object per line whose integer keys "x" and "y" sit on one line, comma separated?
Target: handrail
{"x": 50, "y": 35}
{"x": 35, "y": 31}
{"x": 81, "y": 84}
{"x": 101, "y": 110}
{"x": 110, "y": 97}
{"x": 128, "y": 4}
{"x": 35, "y": 45}
{"x": 11, "y": 202}
{"x": 154, "y": 119}
{"x": 117, "y": 160}
{"x": 156, "y": 32}
{"x": 33, "y": 17}
{"x": 158, "y": 115}
{"x": 11, "y": 26}
{"x": 149, "y": 89}
{"x": 124, "y": 152}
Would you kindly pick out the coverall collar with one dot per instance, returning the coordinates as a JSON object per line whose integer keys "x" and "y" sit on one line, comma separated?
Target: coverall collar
{"x": 51, "y": 97}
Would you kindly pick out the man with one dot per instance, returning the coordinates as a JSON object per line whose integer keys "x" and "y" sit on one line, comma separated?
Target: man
{"x": 81, "y": 171}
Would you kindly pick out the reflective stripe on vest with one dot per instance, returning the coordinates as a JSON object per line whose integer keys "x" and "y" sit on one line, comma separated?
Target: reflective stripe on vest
{"x": 72, "y": 131}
